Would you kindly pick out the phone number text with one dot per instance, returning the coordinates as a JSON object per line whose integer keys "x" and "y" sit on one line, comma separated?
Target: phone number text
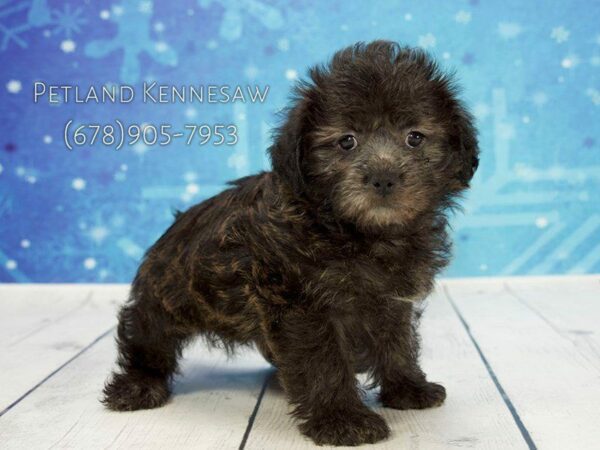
{"x": 118, "y": 134}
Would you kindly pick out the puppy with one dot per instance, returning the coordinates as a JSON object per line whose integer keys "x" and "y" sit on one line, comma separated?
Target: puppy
{"x": 318, "y": 263}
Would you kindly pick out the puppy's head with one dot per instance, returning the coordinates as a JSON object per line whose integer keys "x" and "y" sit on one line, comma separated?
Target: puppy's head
{"x": 377, "y": 137}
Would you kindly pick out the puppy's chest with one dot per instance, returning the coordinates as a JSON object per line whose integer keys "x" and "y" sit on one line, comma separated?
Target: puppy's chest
{"x": 367, "y": 273}
{"x": 345, "y": 272}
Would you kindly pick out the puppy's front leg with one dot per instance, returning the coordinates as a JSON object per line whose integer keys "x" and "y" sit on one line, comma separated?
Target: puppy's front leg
{"x": 316, "y": 374}
{"x": 403, "y": 383}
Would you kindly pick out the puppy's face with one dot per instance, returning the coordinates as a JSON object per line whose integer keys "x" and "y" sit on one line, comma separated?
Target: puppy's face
{"x": 379, "y": 173}
{"x": 381, "y": 138}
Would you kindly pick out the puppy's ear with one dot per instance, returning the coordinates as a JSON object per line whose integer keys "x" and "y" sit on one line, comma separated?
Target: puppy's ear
{"x": 287, "y": 152}
{"x": 464, "y": 147}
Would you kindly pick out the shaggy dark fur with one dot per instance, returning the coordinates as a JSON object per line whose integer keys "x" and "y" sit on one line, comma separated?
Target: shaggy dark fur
{"x": 318, "y": 263}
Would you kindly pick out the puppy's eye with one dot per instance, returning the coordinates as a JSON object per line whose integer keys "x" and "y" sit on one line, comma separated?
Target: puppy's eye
{"x": 414, "y": 139}
{"x": 347, "y": 142}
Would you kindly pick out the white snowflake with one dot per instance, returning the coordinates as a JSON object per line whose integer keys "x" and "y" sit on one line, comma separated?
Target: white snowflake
{"x": 481, "y": 111}
{"x": 291, "y": 74}
{"x": 190, "y": 176}
{"x": 105, "y": 14}
{"x": 212, "y": 44}
{"x": 159, "y": 27}
{"x": 47, "y": 139}
{"x": 446, "y": 55}
{"x": 506, "y": 131}
{"x": 78, "y": 184}
{"x": 99, "y": 233}
{"x": 408, "y": 17}
{"x": 509, "y": 30}
{"x": 68, "y": 46}
{"x": 145, "y": 7}
{"x": 190, "y": 113}
{"x": 569, "y": 61}
{"x": 11, "y": 264}
{"x": 14, "y": 86}
{"x": 161, "y": 46}
{"x": 25, "y": 243}
{"x": 463, "y": 17}
{"x": 594, "y": 95}
{"x": 539, "y": 98}
{"x": 89, "y": 263}
{"x": 238, "y": 161}
{"x": 541, "y": 222}
{"x": 560, "y": 34}
{"x": 140, "y": 148}
{"x": 192, "y": 188}
{"x": 283, "y": 45}
{"x": 427, "y": 40}
{"x": 251, "y": 71}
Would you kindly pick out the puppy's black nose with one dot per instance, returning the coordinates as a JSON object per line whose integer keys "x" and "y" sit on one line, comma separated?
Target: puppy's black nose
{"x": 383, "y": 182}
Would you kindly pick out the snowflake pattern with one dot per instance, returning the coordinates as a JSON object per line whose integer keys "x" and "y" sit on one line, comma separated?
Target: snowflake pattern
{"x": 426, "y": 41}
{"x": 133, "y": 19}
{"x": 232, "y": 24}
{"x": 509, "y": 30}
{"x": 463, "y": 17}
{"x": 89, "y": 215}
{"x": 560, "y": 34}
{"x": 68, "y": 21}
{"x": 594, "y": 95}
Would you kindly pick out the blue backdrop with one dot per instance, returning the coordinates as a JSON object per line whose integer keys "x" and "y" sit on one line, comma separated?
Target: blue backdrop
{"x": 529, "y": 71}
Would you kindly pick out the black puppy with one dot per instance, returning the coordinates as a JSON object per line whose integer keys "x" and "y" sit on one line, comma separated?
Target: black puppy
{"x": 319, "y": 262}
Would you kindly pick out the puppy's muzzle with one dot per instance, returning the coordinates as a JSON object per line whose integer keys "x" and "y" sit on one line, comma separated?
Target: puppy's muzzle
{"x": 383, "y": 182}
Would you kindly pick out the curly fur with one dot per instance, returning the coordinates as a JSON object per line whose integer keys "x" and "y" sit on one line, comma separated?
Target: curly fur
{"x": 310, "y": 262}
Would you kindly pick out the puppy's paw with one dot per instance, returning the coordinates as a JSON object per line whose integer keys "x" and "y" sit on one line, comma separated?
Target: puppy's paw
{"x": 348, "y": 428}
{"x": 128, "y": 392}
{"x": 414, "y": 396}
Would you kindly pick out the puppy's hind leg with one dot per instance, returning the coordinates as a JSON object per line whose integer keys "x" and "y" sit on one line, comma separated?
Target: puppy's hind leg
{"x": 149, "y": 342}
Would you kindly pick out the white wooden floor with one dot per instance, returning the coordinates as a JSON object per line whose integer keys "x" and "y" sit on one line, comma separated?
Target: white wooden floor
{"x": 520, "y": 358}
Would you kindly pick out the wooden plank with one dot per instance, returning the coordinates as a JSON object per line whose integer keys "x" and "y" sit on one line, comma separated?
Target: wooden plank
{"x": 214, "y": 399}
{"x": 570, "y": 306}
{"x": 46, "y": 325}
{"x": 553, "y": 386}
{"x": 474, "y": 414}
